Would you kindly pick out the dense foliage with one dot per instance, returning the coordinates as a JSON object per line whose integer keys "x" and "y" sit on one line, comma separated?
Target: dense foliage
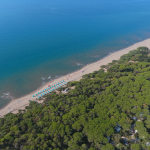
{"x": 102, "y": 112}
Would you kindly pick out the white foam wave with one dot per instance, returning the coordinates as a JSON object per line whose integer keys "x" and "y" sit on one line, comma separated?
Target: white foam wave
{"x": 79, "y": 64}
{"x": 43, "y": 83}
{"x": 95, "y": 56}
{"x": 42, "y": 78}
{"x": 57, "y": 76}
{"x": 49, "y": 77}
{"x": 6, "y": 96}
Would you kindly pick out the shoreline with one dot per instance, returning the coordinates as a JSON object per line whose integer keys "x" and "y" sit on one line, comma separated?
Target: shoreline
{"x": 20, "y": 103}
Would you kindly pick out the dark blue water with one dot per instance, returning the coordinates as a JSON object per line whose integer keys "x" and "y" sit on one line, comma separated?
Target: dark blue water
{"x": 52, "y": 37}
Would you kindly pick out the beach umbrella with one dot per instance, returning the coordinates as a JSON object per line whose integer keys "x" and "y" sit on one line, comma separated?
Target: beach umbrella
{"x": 63, "y": 80}
{"x": 58, "y": 82}
{"x": 38, "y": 93}
{"x": 57, "y": 86}
{"x": 41, "y": 94}
{"x": 33, "y": 95}
{"x": 47, "y": 88}
{"x": 43, "y": 90}
{"x": 54, "y": 85}
{"x": 38, "y": 96}
{"x": 48, "y": 91}
{"x": 66, "y": 82}
{"x": 53, "y": 89}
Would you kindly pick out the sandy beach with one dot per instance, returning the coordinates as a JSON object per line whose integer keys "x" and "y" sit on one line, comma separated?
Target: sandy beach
{"x": 22, "y": 102}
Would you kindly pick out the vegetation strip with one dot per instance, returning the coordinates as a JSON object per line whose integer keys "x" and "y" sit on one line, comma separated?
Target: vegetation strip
{"x": 103, "y": 111}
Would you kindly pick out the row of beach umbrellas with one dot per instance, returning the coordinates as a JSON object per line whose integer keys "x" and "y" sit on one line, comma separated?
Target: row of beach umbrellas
{"x": 50, "y": 89}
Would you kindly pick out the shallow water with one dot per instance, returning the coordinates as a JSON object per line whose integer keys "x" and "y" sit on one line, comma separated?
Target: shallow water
{"x": 52, "y": 38}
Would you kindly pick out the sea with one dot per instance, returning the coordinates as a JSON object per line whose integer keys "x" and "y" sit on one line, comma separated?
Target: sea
{"x": 43, "y": 40}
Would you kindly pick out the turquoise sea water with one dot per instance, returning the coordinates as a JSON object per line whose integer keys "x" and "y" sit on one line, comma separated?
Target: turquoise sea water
{"x": 55, "y": 37}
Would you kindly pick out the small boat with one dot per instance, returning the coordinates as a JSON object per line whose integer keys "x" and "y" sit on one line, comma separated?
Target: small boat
{"x": 49, "y": 77}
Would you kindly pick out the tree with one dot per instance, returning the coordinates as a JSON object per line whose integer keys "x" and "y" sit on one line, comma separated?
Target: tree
{"x": 135, "y": 147}
{"x": 103, "y": 66}
{"x": 108, "y": 147}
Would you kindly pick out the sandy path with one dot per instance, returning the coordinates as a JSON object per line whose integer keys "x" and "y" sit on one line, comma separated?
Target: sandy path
{"x": 20, "y": 103}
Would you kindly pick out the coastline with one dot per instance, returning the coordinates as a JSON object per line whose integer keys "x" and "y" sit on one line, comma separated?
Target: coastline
{"x": 23, "y": 101}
